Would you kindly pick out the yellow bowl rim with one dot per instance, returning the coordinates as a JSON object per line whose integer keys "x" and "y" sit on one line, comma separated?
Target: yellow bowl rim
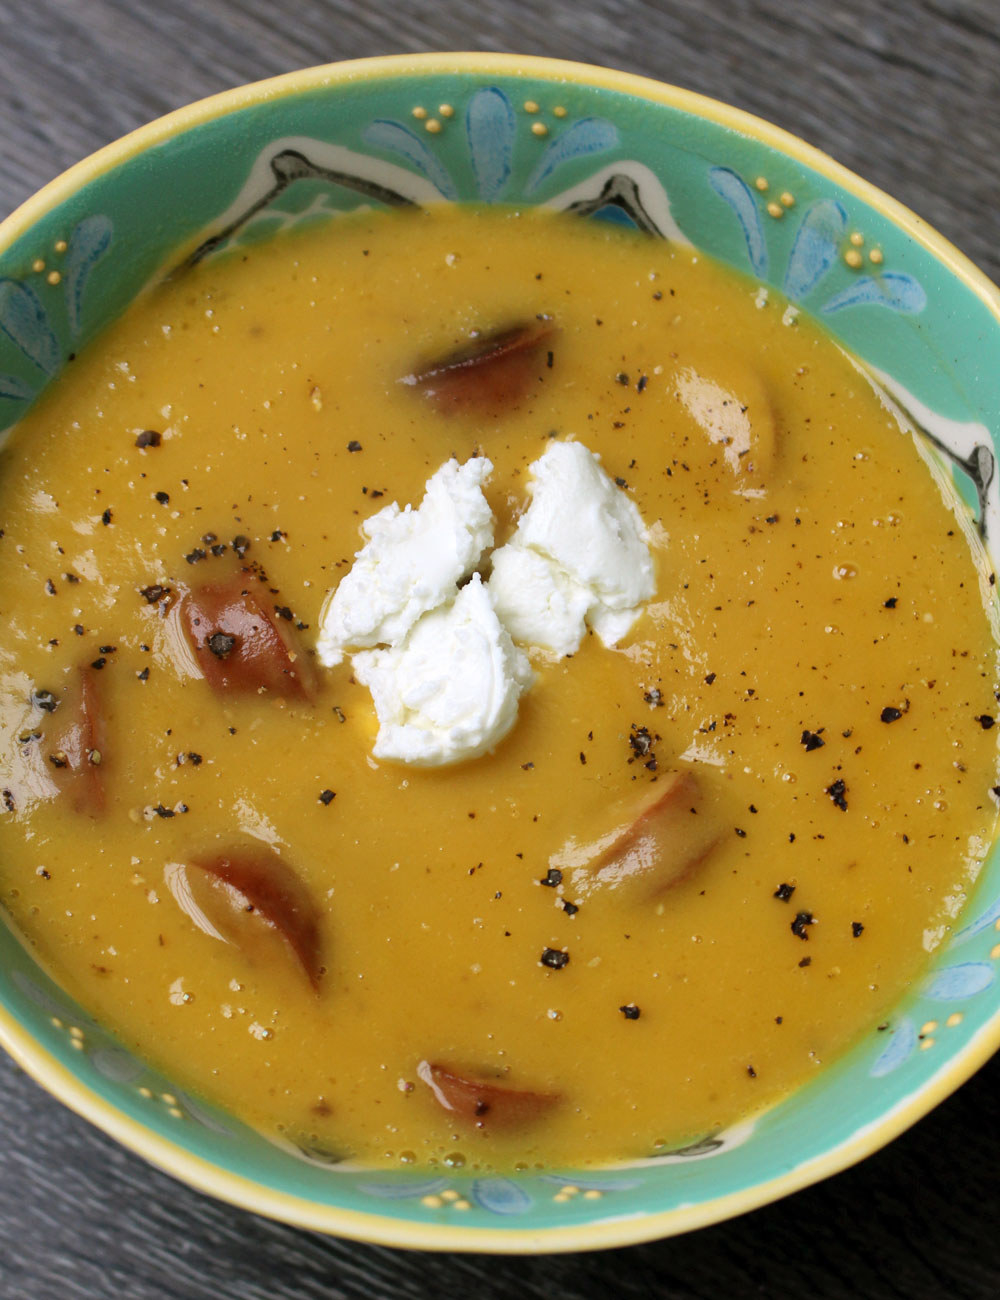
{"x": 381, "y": 1229}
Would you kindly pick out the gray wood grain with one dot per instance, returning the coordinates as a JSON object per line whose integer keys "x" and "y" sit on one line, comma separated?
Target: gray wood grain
{"x": 906, "y": 92}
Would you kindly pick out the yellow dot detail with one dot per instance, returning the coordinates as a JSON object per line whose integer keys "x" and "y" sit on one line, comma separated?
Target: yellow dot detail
{"x": 571, "y": 1191}
{"x": 761, "y": 184}
{"x": 60, "y": 245}
{"x": 996, "y": 924}
{"x": 954, "y": 1019}
{"x": 995, "y": 951}
{"x": 853, "y": 258}
{"x": 592, "y": 1194}
{"x": 77, "y": 1043}
{"x": 875, "y": 256}
{"x": 147, "y": 1093}
{"x": 559, "y": 111}
{"x": 560, "y": 1198}
{"x": 38, "y": 264}
{"x": 530, "y": 106}
{"x": 168, "y": 1098}
{"x": 462, "y": 1205}
{"x": 775, "y": 210}
{"x": 539, "y": 128}
{"x": 432, "y": 125}
{"x": 432, "y": 1202}
{"x": 419, "y": 113}
{"x": 927, "y": 1043}
{"x": 446, "y": 110}
{"x": 449, "y": 1195}
{"x": 176, "y": 1112}
{"x": 53, "y": 277}
{"x": 788, "y": 199}
{"x": 857, "y": 239}
{"x": 928, "y": 1028}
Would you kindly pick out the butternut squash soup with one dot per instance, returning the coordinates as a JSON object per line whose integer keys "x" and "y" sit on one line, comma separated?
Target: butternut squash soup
{"x": 684, "y": 853}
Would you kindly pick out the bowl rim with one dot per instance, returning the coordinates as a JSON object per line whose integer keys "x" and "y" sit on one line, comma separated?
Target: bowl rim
{"x": 384, "y": 1229}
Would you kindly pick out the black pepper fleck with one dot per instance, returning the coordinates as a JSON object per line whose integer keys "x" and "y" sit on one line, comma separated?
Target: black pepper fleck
{"x": 985, "y": 721}
{"x": 162, "y": 497}
{"x": 891, "y": 714}
{"x": 552, "y": 877}
{"x": 148, "y": 438}
{"x": 221, "y": 644}
{"x": 837, "y": 792}
{"x": 802, "y": 920}
{"x": 857, "y": 929}
{"x": 812, "y": 740}
{"x": 630, "y": 1011}
{"x": 554, "y": 958}
{"x": 326, "y": 796}
{"x": 784, "y": 892}
{"x": 354, "y": 445}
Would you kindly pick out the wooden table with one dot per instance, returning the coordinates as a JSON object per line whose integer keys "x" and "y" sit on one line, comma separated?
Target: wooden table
{"x": 906, "y": 92}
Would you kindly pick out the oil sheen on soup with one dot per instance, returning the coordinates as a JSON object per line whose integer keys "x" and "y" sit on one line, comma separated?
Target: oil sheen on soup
{"x": 707, "y": 854}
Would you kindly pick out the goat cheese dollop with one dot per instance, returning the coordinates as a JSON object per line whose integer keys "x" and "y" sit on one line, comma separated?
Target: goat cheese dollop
{"x": 450, "y": 690}
{"x": 579, "y": 556}
{"x": 411, "y": 563}
{"x": 435, "y": 644}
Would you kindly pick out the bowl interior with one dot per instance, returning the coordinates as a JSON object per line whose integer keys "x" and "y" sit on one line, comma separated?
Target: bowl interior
{"x": 304, "y": 148}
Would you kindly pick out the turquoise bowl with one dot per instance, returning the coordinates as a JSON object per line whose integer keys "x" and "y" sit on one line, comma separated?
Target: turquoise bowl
{"x": 499, "y": 129}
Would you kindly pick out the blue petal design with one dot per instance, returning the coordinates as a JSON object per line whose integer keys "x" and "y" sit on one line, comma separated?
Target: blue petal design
{"x": 489, "y": 127}
{"x": 88, "y": 243}
{"x": 204, "y": 1115}
{"x": 738, "y": 195}
{"x": 588, "y": 136}
{"x": 988, "y": 919}
{"x": 901, "y": 1045}
{"x": 25, "y": 322}
{"x": 117, "y": 1065}
{"x": 955, "y": 983}
{"x": 816, "y": 247}
{"x": 399, "y": 1191}
{"x": 399, "y": 139}
{"x": 501, "y": 1196}
{"x": 895, "y": 290}
{"x": 14, "y": 388}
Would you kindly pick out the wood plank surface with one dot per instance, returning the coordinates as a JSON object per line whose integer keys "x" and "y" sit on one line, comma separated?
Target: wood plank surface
{"x": 907, "y": 93}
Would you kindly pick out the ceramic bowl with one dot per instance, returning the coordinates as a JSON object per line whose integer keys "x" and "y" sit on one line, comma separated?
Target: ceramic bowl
{"x": 499, "y": 129}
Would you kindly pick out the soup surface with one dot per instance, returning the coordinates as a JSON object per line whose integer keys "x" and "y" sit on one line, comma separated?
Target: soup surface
{"x": 428, "y": 964}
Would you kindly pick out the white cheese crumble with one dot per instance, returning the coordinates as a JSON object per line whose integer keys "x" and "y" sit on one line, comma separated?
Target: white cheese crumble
{"x": 411, "y": 563}
{"x": 579, "y": 555}
{"x": 450, "y": 690}
{"x": 440, "y": 659}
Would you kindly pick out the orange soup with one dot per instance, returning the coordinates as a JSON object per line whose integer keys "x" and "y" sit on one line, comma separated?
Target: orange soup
{"x": 701, "y": 863}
